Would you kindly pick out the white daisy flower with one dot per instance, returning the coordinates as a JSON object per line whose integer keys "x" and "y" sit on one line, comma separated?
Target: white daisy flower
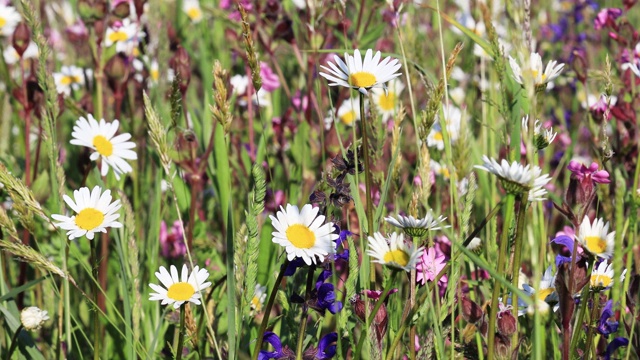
{"x": 515, "y": 177}
{"x": 439, "y": 169}
{"x": 12, "y": 57}
{"x": 542, "y": 137}
{"x": 94, "y": 213}
{"x": 393, "y": 252}
{"x": 475, "y": 244}
{"x": 595, "y": 237}
{"x": 125, "y": 36}
{"x": 349, "y": 111}
{"x": 32, "y": 318}
{"x": 178, "y": 290}
{"x": 453, "y": 120}
{"x": 534, "y": 71}
{"x": 387, "y": 103}
{"x": 100, "y": 137}
{"x": 259, "y": 296}
{"x": 359, "y": 74}
{"x": 547, "y": 289}
{"x": 240, "y": 85}
{"x": 192, "y": 9}
{"x": 436, "y": 137}
{"x": 69, "y": 77}
{"x": 9, "y": 19}
{"x": 417, "y": 227}
{"x": 302, "y": 233}
{"x": 602, "y": 277}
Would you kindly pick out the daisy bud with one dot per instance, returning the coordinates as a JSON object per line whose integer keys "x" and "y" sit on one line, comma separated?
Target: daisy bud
{"x": 471, "y": 312}
{"x": 21, "y": 38}
{"x": 507, "y": 323}
{"x": 33, "y": 318}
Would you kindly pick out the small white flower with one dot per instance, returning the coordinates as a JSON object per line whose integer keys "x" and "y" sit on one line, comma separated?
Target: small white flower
{"x": 453, "y": 120}
{"x": 94, "y": 213}
{"x": 192, "y": 9}
{"x": 542, "y": 137}
{"x": 303, "y": 233}
{"x": 9, "y": 19}
{"x": 547, "y": 289}
{"x": 178, "y": 290}
{"x": 361, "y": 75}
{"x": 602, "y": 277}
{"x": 113, "y": 150}
{"x": 533, "y": 70}
{"x": 259, "y": 296}
{"x": 515, "y": 177}
{"x": 439, "y": 169}
{"x": 417, "y": 227}
{"x": 32, "y": 318}
{"x": 349, "y": 111}
{"x": 595, "y": 237}
{"x": 394, "y": 252}
{"x": 240, "y": 85}
{"x": 387, "y": 102}
{"x": 474, "y": 244}
{"x": 11, "y": 56}
{"x": 69, "y": 77}
{"x": 125, "y": 36}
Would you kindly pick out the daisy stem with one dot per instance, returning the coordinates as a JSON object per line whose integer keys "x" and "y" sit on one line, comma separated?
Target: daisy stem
{"x": 96, "y": 313}
{"x": 594, "y": 314}
{"x": 305, "y": 313}
{"x": 583, "y": 308}
{"x": 14, "y": 342}
{"x": 367, "y": 182}
{"x": 522, "y": 211}
{"x": 267, "y": 311}
{"x": 373, "y": 313}
{"x": 183, "y": 311}
{"x": 508, "y": 218}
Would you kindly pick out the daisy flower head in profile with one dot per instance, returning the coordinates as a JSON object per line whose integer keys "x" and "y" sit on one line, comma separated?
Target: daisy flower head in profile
{"x": 533, "y": 71}
{"x": 387, "y": 102}
{"x": 393, "y": 252}
{"x": 303, "y": 233}
{"x": 602, "y": 277}
{"x": 542, "y": 137}
{"x": 9, "y": 19}
{"x": 259, "y": 296}
{"x": 69, "y": 78}
{"x": 99, "y": 136}
{"x": 94, "y": 213}
{"x": 596, "y": 238}
{"x": 515, "y": 177}
{"x": 193, "y": 10}
{"x": 363, "y": 75}
{"x": 547, "y": 290}
{"x": 417, "y": 227}
{"x": 176, "y": 289}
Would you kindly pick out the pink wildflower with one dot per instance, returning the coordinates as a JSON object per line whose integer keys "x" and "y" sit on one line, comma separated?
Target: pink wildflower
{"x": 172, "y": 243}
{"x": 270, "y": 81}
{"x": 582, "y": 172}
{"x": 430, "y": 266}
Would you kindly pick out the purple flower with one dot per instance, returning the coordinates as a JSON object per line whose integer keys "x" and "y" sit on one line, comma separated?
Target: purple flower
{"x": 614, "y": 345}
{"x": 606, "y": 326}
{"x": 429, "y": 267}
{"x": 172, "y": 243}
{"x": 326, "y": 346}
{"x": 270, "y": 81}
{"x": 326, "y": 296}
{"x": 375, "y": 294}
{"x": 568, "y": 242}
{"x": 300, "y": 102}
{"x": 278, "y": 351}
{"x": 606, "y": 17}
{"x": 582, "y": 172}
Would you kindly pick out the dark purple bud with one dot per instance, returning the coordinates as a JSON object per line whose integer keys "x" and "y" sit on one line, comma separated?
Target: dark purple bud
{"x": 471, "y": 311}
{"x": 21, "y": 38}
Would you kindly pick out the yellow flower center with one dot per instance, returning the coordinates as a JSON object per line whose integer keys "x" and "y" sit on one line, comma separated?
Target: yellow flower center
{"x": 194, "y": 13}
{"x": 3, "y": 22}
{"x": 118, "y": 36}
{"x": 445, "y": 172}
{"x": 301, "y": 237}
{"x": 595, "y": 244}
{"x": 397, "y": 256}
{"x": 387, "y": 102}
{"x": 438, "y": 136}
{"x": 542, "y": 294}
{"x": 181, "y": 291}
{"x": 102, "y": 145}
{"x": 349, "y": 118}
{"x": 70, "y": 79}
{"x": 534, "y": 75}
{"x": 362, "y": 79}
{"x": 155, "y": 74}
{"x": 255, "y": 302}
{"x": 601, "y": 280}
{"x": 89, "y": 218}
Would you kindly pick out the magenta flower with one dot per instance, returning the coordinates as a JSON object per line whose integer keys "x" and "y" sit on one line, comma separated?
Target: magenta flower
{"x": 172, "y": 243}
{"x": 582, "y": 172}
{"x": 375, "y": 294}
{"x": 270, "y": 81}
{"x": 430, "y": 266}
{"x": 606, "y": 17}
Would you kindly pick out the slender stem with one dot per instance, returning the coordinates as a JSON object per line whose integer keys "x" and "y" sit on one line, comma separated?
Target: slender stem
{"x": 267, "y": 311}
{"x": 583, "y": 308}
{"x": 14, "y": 342}
{"x": 367, "y": 182}
{"x": 522, "y": 211}
{"x": 183, "y": 310}
{"x": 376, "y": 308}
{"x": 504, "y": 242}
{"x": 96, "y": 313}
{"x": 305, "y": 313}
{"x": 594, "y": 313}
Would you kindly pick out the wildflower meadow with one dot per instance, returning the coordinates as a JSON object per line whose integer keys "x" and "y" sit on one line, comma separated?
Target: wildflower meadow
{"x": 319, "y": 179}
